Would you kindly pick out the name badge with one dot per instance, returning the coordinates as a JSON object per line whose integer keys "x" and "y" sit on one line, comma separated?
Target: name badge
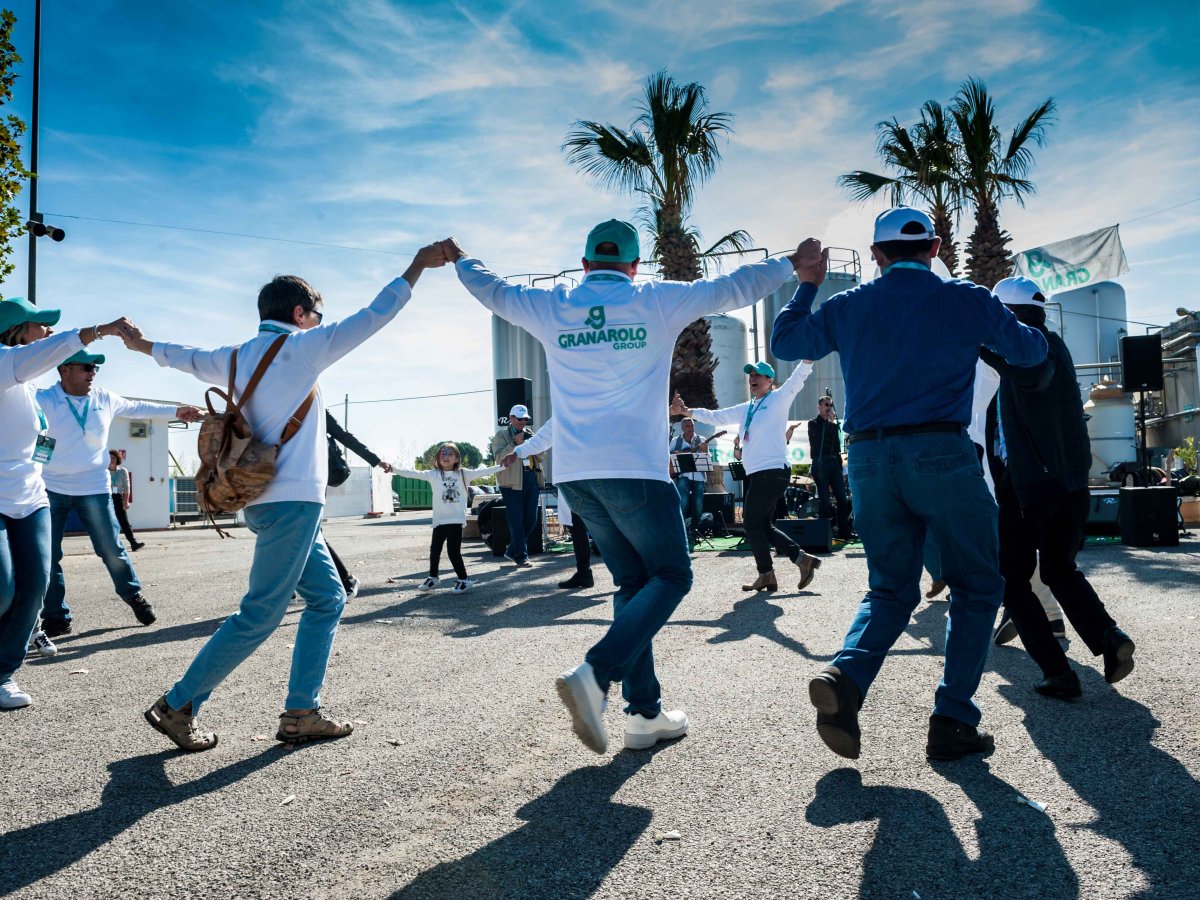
{"x": 43, "y": 449}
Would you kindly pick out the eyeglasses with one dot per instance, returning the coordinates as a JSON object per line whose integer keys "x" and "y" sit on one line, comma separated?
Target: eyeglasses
{"x": 316, "y": 312}
{"x": 825, "y": 405}
{"x": 87, "y": 367}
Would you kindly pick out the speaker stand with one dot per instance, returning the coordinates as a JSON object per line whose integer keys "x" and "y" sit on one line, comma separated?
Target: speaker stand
{"x": 1143, "y": 451}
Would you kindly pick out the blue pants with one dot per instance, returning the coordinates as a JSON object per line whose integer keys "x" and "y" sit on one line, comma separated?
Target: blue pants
{"x": 289, "y": 556}
{"x": 96, "y": 513}
{"x": 691, "y": 501}
{"x": 24, "y": 574}
{"x": 904, "y": 488}
{"x": 637, "y": 525}
{"x": 520, "y": 507}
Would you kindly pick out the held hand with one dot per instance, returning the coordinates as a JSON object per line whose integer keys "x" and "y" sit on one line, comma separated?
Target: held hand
{"x": 677, "y": 406}
{"x": 810, "y": 261}
{"x": 508, "y": 460}
{"x": 386, "y": 466}
{"x": 431, "y": 256}
{"x": 189, "y": 414}
{"x": 452, "y": 250}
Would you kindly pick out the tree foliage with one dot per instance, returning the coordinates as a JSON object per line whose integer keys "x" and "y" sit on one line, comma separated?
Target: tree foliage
{"x": 12, "y": 171}
{"x": 471, "y": 457}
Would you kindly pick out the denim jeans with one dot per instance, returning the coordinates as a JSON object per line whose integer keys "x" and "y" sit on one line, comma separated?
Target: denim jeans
{"x": 638, "y": 527}
{"x": 691, "y": 501}
{"x": 289, "y": 556}
{"x": 96, "y": 513}
{"x": 520, "y": 508}
{"x": 24, "y": 574}
{"x": 905, "y": 487}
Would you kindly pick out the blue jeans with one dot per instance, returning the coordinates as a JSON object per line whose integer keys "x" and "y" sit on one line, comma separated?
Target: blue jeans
{"x": 289, "y": 556}
{"x": 96, "y": 513}
{"x": 637, "y": 525}
{"x": 906, "y": 487}
{"x": 24, "y": 574}
{"x": 520, "y": 508}
{"x": 691, "y": 501}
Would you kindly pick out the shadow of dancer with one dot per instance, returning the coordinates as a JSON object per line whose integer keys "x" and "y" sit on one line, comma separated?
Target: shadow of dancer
{"x": 915, "y": 848}
{"x": 138, "y": 787}
{"x": 573, "y": 836}
{"x": 750, "y": 617}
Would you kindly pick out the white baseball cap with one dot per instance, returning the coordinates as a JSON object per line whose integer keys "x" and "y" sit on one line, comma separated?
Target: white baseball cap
{"x": 520, "y": 411}
{"x": 890, "y": 225}
{"x": 1019, "y": 291}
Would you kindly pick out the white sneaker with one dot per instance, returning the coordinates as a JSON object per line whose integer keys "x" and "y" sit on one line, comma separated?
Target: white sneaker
{"x": 428, "y": 584}
{"x": 12, "y": 697}
{"x": 579, "y": 692}
{"x": 462, "y": 585}
{"x": 41, "y": 645}
{"x": 642, "y": 733}
{"x": 353, "y": 591}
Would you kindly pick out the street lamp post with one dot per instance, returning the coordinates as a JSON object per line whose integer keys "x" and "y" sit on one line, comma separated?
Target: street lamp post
{"x": 34, "y": 215}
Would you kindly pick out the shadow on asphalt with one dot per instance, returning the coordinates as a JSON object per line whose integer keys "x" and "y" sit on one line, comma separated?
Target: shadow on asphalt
{"x": 573, "y": 836}
{"x": 133, "y": 637}
{"x": 750, "y": 617}
{"x": 915, "y": 848}
{"x": 1161, "y": 568}
{"x": 138, "y": 787}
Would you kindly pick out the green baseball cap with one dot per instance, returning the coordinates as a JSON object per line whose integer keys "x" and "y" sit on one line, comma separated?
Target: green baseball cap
{"x": 759, "y": 368}
{"x": 83, "y": 358}
{"x": 16, "y": 311}
{"x": 614, "y": 231}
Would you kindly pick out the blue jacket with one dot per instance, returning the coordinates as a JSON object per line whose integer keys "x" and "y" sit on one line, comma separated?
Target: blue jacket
{"x": 908, "y": 342}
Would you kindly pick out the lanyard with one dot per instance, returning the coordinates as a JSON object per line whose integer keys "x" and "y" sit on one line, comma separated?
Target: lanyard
{"x": 751, "y": 411}
{"x": 275, "y": 328}
{"x": 80, "y": 417}
{"x": 37, "y": 408}
{"x": 906, "y": 264}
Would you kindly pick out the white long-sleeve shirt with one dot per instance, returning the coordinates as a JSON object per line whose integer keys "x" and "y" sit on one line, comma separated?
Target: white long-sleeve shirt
{"x": 79, "y": 466}
{"x": 450, "y": 494}
{"x": 608, "y": 348}
{"x": 21, "y": 487}
{"x": 764, "y": 438}
{"x": 301, "y": 469}
{"x": 542, "y": 440}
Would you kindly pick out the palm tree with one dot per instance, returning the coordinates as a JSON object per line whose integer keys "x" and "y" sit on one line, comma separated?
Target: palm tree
{"x": 664, "y": 156}
{"x": 923, "y": 161}
{"x": 988, "y": 171}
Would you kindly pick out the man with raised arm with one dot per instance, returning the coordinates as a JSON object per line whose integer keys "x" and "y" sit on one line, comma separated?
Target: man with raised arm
{"x": 608, "y": 348}
{"x": 908, "y": 342}
{"x": 289, "y": 552}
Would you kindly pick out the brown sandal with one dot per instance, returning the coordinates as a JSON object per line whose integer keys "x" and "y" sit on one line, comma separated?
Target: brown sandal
{"x": 310, "y": 726}
{"x": 180, "y": 726}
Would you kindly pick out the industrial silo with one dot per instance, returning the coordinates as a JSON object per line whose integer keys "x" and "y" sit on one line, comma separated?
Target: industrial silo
{"x": 730, "y": 349}
{"x": 1092, "y": 322}
{"x": 518, "y": 354}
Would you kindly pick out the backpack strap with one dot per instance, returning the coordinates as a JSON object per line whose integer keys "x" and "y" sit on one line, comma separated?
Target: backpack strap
{"x": 297, "y": 419}
{"x": 259, "y": 372}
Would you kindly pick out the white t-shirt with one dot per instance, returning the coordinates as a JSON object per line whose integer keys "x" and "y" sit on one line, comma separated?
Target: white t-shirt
{"x": 302, "y": 466}
{"x": 79, "y": 466}
{"x": 21, "y": 487}
{"x": 608, "y": 348}
{"x": 987, "y": 382}
{"x": 764, "y": 442}
{"x": 450, "y": 494}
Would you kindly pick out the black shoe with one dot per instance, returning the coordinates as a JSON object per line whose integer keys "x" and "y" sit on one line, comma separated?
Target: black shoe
{"x": 135, "y": 546}
{"x": 56, "y": 627}
{"x": 142, "y": 609}
{"x": 578, "y": 580}
{"x": 1061, "y": 687}
{"x": 1118, "y": 654}
{"x": 1006, "y": 632}
{"x": 951, "y": 739}
{"x": 837, "y": 700}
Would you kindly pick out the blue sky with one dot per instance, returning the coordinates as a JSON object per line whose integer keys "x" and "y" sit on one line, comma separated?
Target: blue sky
{"x": 384, "y": 125}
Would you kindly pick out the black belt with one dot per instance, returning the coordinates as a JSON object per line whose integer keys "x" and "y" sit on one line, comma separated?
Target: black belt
{"x": 899, "y": 430}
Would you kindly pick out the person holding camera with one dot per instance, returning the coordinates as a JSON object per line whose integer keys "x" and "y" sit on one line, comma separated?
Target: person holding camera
{"x": 519, "y": 485}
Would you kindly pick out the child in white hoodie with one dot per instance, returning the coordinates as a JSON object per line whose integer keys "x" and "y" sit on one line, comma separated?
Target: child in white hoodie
{"x": 450, "y": 497}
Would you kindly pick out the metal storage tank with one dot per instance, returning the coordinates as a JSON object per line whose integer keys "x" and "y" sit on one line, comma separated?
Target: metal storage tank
{"x": 1092, "y": 322}
{"x": 518, "y": 354}
{"x": 1110, "y": 427}
{"x": 730, "y": 348}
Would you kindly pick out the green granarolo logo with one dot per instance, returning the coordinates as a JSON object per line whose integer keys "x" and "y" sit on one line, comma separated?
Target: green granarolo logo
{"x": 619, "y": 337}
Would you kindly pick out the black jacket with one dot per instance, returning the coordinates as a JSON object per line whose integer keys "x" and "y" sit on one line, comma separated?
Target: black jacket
{"x": 823, "y": 440}
{"x": 347, "y": 440}
{"x": 1045, "y": 433}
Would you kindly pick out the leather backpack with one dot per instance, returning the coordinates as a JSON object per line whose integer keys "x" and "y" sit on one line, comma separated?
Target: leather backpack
{"x": 235, "y": 468}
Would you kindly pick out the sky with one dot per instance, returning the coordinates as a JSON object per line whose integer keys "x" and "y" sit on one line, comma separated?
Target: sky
{"x": 382, "y": 126}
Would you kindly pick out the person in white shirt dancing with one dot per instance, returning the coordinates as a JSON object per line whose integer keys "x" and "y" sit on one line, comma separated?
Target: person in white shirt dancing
{"x": 763, "y": 422}
{"x": 451, "y": 495}
{"x": 289, "y": 552}
{"x": 608, "y": 348}
{"x": 81, "y": 416}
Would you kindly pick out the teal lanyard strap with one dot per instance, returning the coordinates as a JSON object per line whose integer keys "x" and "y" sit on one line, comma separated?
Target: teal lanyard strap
{"x": 80, "y": 417}
{"x": 752, "y": 410}
{"x": 37, "y": 407}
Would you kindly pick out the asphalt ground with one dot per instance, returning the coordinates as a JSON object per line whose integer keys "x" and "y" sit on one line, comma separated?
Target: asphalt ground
{"x": 463, "y": 779}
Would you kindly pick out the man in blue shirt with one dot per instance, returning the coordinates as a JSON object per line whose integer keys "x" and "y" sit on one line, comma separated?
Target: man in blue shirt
{"x": 908, "y": 343}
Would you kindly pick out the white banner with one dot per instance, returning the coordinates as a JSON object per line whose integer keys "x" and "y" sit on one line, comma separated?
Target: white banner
{"x": 1075, "y": 262}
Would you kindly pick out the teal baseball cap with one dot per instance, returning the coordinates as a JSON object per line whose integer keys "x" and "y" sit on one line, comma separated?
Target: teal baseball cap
{"x": 759, "y": 368}
{"x": 83, "y": 358}
{"x": 16, "y": 311}
{"x": 621, "y": 234}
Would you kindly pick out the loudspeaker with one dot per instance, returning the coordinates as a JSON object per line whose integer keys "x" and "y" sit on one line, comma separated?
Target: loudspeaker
{"x": 500, "y": 537}
{"x": 720, "y": 503}
{"x": 814, "y": 535}
{"x": 1142, "y": 360}
{"x": 510, "y": 392}
{"x": 1149, "y": 516}
{"x": 1103, "y": 510}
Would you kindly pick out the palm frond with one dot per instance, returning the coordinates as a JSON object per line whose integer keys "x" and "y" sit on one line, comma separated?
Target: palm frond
{"x": 612, "y": 156}
{"x": 736, "y": 240}
{"x": 862, "y": 185}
